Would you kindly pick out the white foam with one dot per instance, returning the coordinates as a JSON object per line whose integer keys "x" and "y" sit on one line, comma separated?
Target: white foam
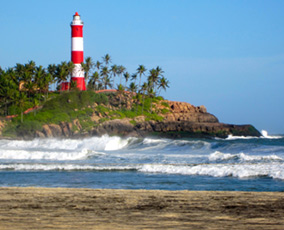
{"x": 150, "y": 141}
{"x": 219, "y": 156}
{"x": 265, "y": 135}
{"x": 231, "y": 137}
{"x": 275, "y": 170}
{"x": 62, "y": 167}
{"x": 56, "y": 149}
{"x": 45, "y": 155}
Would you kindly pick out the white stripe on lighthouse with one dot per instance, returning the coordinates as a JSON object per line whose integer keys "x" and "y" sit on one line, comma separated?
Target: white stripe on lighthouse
{"x": 78, "y": 71}
{"x": 77, "y": 44}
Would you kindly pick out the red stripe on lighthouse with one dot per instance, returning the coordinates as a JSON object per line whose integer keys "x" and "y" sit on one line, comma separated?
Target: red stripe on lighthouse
{"x": 77, "y": 57}
{"x": 80, "y": 82}
{"x": 77, "y": 31}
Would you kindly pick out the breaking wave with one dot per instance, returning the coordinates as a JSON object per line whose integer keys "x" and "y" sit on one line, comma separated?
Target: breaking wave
{"x": 274, "y": 171}
{"x": 241, "y": 157}
{"x": 264, "y": 134}
{"x": 57, "y": 149}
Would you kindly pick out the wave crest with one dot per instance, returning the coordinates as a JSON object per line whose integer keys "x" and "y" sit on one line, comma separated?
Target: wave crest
{"x": 220, "y": 170}
{"x": 227, "y": 157}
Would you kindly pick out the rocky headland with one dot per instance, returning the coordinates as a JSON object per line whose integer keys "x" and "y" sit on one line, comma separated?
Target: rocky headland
{"x": 177, "y": 119}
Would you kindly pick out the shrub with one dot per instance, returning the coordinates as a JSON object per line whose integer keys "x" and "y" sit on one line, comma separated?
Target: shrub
{"x": 28, "y": 128}
{"x": 165, "y": 104}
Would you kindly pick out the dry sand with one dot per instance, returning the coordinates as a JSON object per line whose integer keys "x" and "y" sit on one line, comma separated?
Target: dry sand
{"x": 60, "y": 208}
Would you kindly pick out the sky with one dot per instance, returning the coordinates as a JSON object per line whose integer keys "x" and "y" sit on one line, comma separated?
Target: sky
{"x": 226, "y": 55}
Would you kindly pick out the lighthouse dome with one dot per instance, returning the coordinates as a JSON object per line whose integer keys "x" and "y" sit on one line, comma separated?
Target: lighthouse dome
{"x": 76, "y": 19}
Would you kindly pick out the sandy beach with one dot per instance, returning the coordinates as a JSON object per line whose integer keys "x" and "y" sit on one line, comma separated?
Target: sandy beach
{"x": 61, "y": 208}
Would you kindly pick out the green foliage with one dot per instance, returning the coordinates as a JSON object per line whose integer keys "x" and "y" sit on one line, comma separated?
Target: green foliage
{"x": 101, "y": 109}
{"x": 165, "y": 111}
{"x": 129, "y": 113}
{"x": 133, "y": 122}
{"x": 154, "y": 117}
{"x": 63, "y": 107}
{"x": 28, "y": 128}
{"x": 87, "y": 124}
{"x": 165, "y": 104}
{"x": 103, "y": 119}
{"x": 10, "y": 130}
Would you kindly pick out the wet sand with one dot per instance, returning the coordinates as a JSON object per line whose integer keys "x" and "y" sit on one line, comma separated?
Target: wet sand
{"x": 60, "y": 208}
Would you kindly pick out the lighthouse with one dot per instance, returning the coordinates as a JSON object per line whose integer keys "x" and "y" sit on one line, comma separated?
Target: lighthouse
{"x": 77, "y": 51}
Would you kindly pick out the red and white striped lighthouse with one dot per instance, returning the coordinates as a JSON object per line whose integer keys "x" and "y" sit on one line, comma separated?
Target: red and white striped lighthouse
{"x": 77, "y": 51}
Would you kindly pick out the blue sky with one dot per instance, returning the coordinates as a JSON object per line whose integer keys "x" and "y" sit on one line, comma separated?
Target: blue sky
{"x": 226, "y": 55}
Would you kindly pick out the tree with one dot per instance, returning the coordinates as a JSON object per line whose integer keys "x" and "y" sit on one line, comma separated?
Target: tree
{"x": 98, "y": 65}
{"x": 120, "y": 90}
{"x": 144, "y": 88}
{"x": 126, "y": 77}
{"x": 114, "y": 71}
{"x": 87, "y": 66}
{"x": 141, "y": 71}
{"x": 62, "y": 72}
{"x": 121, "y": 70}
{"x": 93, "y": 81}
{"x": 151, "y": 94}
{"x": 134, "y": 77}
{"x": 107, "y": 59}
{"x": 105, "y": 77}
{"x": 163, "y": 84}
{"x": 21, "y": 102}
{"x": 51, "y": 69}
{"x": 132, "y": 88}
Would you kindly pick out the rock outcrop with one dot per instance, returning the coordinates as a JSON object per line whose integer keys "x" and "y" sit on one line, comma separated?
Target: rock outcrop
{"x": 181, "y": 119}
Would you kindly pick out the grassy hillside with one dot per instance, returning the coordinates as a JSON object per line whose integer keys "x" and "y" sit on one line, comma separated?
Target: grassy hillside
{"x": 89, "y": 108}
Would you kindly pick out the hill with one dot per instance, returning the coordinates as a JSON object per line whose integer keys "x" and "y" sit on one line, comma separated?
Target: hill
{"x": 77, "y": 114}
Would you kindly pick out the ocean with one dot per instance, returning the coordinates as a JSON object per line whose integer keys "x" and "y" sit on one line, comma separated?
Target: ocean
{"x": 232, "y": 164}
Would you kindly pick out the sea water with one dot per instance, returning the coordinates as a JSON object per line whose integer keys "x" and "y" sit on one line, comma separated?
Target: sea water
{"x": 232, "y": 164}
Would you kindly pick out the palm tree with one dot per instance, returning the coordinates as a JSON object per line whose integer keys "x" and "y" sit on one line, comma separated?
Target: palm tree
{"x": 87, "y": 66}
{"x": 133, "y": 89}
{"x": 141, "y": 71}
{"x": 153, "y": 78}
{"x": 151, "y": 94}
{"x": 104, "y": 74}
{"x": 29, "y": 86}
{"x": 8, "y": 91}
{"x": 106, "y": 82}
{"x": 144, "y": 88}
{"x": 21, "y": 102}
{"x": 19, "y": 71}
{"x": 114, "y": 71}
{"x": 120, "y": 90}
{"x": 94, "y": 80}
{"x": 70, "y": 68}
{"x": 126, "y": 77}
{"x": 107, "y": 59}
{"x": 121, "y": 70}
{"x": 98, "y": 65}
{"x": 51, "y": 69}
{"x": 134, "y": 77}
{"x": 31, "y": 66}
{"x": 159, "y": 74}
{"x": 163, "y": 84}
{"x": 61, "y": 72}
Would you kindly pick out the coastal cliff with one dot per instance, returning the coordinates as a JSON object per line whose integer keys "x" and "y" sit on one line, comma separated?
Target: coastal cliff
{"x": 173, "y": 119}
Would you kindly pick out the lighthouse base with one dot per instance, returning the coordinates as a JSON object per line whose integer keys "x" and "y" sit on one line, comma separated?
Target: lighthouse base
{"x": 80, "y": 82}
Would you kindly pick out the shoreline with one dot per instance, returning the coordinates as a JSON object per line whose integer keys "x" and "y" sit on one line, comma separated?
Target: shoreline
{"x": 74, "y": 208}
